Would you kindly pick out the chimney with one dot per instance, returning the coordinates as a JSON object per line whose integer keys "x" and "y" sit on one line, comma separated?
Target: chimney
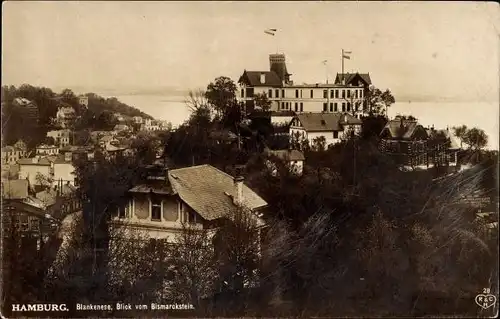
{"x": 262, "y": 78}
{"x": 238, "y": 188}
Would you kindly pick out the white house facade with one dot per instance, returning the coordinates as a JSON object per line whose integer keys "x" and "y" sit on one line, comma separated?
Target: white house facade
{"x": 332, "y": 126}
{"x": 346, "y": 94}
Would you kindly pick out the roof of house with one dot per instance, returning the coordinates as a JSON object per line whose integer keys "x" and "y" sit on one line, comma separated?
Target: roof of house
{"x": 49, "y": 196}
{"x": 43, "y": 146}
{"x": 349, "y": 77}
{"x": 252, "y": 78}
{"x": 210, "y": 191}
{"x": 454, "y": 141}
{"x": 106, "y": 138}
{"x": 287, "y": 155}
{"x": 61, "y": 159}
{"x": 112, "y": 148}
{"x": 44, "y": 161}
{"x": 157, "y": 188}
{"x": 22, "y": 101}
{"x": 120, "y": 127}
{"x": 8, "y": 149}
{"x": 325, "y": 122}
{"x": 15, "y": 189}
{"x": 401, "y": 128}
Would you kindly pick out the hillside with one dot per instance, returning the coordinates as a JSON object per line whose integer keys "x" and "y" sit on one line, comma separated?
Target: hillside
{"x": 98, "y": 116}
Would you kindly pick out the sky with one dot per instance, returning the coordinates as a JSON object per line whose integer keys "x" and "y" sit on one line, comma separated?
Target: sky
{"x": 419, "y": 50}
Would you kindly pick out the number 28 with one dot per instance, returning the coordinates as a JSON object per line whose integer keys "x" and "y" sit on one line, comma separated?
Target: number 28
{"x": 486, "y": 290}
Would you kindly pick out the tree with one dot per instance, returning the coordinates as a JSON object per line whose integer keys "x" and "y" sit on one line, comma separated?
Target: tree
{"x": 221, "y": 94}
{"x": 193, "y": 264}
{"x": 376, "y": 99}
{"x": 476, "y": 139}
{"x": 262, "y": 102}
{"x": 319, "y": 143}
{"x": 372, "y": 126}
{"x": 237, "y": 250}
{"x": 49, "y": 140}
{"x": 196, "y": 100}
{"x": 460, "y": 132}
{"x": 387, "y": 99}
{"x": 43, "y": 180}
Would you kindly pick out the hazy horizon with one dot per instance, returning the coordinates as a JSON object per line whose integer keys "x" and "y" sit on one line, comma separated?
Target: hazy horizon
{"x": 419, "y": 50}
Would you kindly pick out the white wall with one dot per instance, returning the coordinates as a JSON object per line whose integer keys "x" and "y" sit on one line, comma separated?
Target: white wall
{"x": 314, "y": 104}
{"x": 30, "y": 172}
{"x": 163, "y": 229}
{"x": 65, "y": 172}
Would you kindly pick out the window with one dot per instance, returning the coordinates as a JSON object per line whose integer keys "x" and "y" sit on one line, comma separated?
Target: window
{"x": 296, "y": 106}
{"x": 348, "y": 94}
{"x": 361, "y": 93}
{"x": 296, "y": 94}
{"x": 282, "y": 93}
{"x": 325, "y": 94}
{"x": 343, "y": 94}
{"x": 312, "y": 94}
{"x": 301, "y": 107}
{"x": 343, "y": 106}
{"x": 242, "y": 93}
{"x": 348, "y": 107}
{"x": 287, "y": 106}
{"x": 270, "y": 93}
{"x": 336, "y": 94}
{"x": 331, "y": 107}
{"x": 331, "y": 93}
{"x": 155, "y": 208}
{"x": 357, "y": 107}
{"x": 356, "y": 94}
{"x": 122, "y": 213}
{"x": 300, "y": 93}
{"x": 190, "y": 216}
{"x": 335, "y": 134}
{"x": 325, "y": 107}
{"x": 335, "y": 107}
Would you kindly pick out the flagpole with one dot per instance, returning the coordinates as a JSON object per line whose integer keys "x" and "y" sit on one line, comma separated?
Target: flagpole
{"x": 342, "y": 66}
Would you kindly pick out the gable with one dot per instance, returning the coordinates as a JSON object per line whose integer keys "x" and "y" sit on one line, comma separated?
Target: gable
{"x": 296, "y": 122}
{"x": 420, "y": 133}
{"x": 253, "y": 78}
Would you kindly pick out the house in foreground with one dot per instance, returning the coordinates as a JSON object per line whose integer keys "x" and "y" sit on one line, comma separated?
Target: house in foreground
{"x": 293, "y": 159}
{"x": 332, "y": 126}
{"x": 22, "y": 212}
{"x": 201, "y": 197}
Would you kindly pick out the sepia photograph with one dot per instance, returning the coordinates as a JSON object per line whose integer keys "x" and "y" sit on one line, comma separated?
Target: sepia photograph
{"x": 253, "y": 159}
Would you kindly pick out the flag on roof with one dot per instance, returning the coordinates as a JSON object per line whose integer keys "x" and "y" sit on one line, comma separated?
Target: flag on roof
{"x": 270, "y": 31}
{"x": 346, "y": 55}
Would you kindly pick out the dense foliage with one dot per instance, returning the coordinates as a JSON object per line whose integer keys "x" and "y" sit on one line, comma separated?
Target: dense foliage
{"x": 98, "y": 116}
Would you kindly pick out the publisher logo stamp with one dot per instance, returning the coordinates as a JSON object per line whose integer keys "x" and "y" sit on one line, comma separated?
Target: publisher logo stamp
{"x": 486, "y": 299}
